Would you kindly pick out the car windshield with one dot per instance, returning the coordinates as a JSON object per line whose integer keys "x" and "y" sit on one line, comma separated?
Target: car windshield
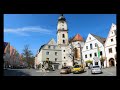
{"x": 77, "y": 66}
{"x": 95, "y": 66}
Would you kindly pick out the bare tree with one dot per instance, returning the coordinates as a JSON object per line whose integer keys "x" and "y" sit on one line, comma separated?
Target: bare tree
{"x": 27, "y": 54}
{"x": 71, "y": 54}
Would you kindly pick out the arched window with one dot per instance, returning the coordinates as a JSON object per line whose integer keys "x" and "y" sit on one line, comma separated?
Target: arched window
{"x": 63, "y": 41}
{"x": 63, "y": 35}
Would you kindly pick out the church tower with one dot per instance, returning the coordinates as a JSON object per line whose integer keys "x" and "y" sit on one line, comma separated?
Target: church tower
{"x": 62, "y": 31}
{"x": 62, "y": 40}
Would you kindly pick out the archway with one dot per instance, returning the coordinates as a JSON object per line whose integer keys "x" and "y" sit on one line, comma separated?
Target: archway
{"x": 111, "y": 62}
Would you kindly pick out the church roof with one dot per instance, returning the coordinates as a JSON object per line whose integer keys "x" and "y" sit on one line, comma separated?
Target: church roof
{"x": 41, "y": 47}
{"x": 77, "y": 37}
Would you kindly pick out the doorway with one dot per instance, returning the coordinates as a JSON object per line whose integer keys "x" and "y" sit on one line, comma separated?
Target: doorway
{"x": 111, "y": 62}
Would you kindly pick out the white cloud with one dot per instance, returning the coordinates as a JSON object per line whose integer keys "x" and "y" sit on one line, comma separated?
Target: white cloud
{"x": 25, "y": 30}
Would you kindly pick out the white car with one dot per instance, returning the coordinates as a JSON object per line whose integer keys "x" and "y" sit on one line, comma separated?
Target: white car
{"x": 96, "y": 69}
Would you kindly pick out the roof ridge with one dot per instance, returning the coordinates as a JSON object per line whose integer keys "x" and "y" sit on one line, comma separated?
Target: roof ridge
{"x": 97, "y": 36}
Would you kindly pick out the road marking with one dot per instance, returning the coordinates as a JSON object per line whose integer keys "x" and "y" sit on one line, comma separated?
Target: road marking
{"x": 109, "y": 72}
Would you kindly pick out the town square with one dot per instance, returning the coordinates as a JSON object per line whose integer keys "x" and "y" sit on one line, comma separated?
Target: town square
{"x": 64, "y": 45}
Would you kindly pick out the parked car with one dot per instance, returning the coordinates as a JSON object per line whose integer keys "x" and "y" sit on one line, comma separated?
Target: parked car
{"x": 96, "y": 69}
{"x": 65, "y": 70}
{"x": 77, "y": 69}
{"x": 70, "y": 68}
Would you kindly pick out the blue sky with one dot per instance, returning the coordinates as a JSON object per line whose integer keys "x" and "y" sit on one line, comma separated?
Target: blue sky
{"x": 37, "y": 29}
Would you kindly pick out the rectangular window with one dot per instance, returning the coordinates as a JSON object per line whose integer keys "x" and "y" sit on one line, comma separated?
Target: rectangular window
{"x": 47, "y": 53}
{"x": 90, "y": 46}
{"x": 49, "y": 47}
{"x": 86, "y": 47}
{"x": 111, "y": 40}
{"x": 55, "y": 53}
{"x": 95, "y": 54}
{"x": 55, "y": 59}
{"x": 85, "y": 56}
{"x": 101, "y": 53}
{"x": 90, "y": 55}
{"x": 95, "y": 44}
{"x": 110, "y": 50}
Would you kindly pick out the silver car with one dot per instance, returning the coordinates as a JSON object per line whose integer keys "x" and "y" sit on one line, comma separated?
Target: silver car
{"x": 96, "y": 69}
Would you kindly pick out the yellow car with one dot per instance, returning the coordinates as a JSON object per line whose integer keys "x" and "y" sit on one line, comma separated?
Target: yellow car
{"x": 77, "y": 69}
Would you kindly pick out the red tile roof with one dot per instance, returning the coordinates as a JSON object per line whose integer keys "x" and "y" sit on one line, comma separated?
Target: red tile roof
{"x": 77, "y": 38}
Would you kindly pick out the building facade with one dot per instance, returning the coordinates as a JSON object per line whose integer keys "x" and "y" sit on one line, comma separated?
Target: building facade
{"x": 110, "y": 47}
{"x": 50, "y": 52}
{"x": 90, "y": 49}
{"x": 6, "y": 56}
